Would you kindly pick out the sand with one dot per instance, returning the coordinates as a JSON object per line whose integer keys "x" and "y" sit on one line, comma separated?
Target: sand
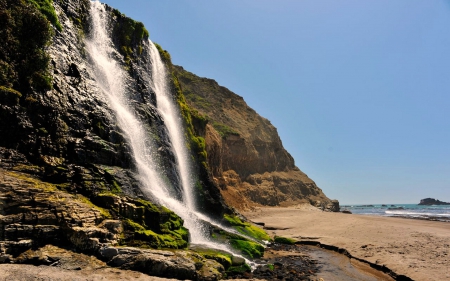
{"x": 416, "y": 248}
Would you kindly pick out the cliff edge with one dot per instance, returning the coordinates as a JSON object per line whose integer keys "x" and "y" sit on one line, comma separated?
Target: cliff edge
{"x": 245, "y": 153}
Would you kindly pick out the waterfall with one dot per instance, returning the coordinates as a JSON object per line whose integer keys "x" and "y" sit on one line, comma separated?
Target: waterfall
{"x": 110, "y": 77}
{"x": 174, "y": 123}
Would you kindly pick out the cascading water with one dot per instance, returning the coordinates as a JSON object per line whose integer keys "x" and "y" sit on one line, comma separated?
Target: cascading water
{"x": 173, "y": 122}
{"x": 110, "y": 78}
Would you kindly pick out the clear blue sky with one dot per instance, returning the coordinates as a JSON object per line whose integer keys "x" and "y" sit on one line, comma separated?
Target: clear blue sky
{"x": 359, "y": 90}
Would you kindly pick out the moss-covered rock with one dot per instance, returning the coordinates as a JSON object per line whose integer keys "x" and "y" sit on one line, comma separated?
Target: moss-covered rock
{"x": 284, "y": 240}
{"x": 128, "y": 35}
{"x": 248, "y": 248}
{"x": 9, "y": 96}
{"x": 139, "y": 236}
{"x": 151, "y": 226}
{"x": 223, "y": 258}
{"x": 238, "y": 270}
{"x": 246, "y": 228}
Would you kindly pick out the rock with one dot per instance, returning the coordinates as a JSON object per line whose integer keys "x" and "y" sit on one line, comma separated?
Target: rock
{"x": 396, "y": 208}
{"x": 180, "y": 265}
{"x": 237, "y": 261}
{"x": 431, "y": 201}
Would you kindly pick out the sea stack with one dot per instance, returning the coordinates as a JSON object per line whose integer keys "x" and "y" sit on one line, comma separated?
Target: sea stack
{"x": 432, "y": 201}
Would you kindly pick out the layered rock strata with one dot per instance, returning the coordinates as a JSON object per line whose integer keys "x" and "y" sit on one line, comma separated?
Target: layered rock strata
{"x": 245, "y": 153}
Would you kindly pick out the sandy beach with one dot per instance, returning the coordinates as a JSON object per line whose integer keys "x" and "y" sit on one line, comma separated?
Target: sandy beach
{"x": 415, "y": 248}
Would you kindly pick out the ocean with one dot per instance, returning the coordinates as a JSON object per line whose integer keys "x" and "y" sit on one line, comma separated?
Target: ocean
{"x": 412, "y": 211}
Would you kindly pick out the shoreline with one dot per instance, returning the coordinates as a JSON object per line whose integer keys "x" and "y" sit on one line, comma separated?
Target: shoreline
{"x": 418, "y": 249}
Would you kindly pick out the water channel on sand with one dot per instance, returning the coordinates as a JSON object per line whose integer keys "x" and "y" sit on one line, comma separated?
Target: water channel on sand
{"x": 335, "y": 266}
{"x": 305, "y": 262}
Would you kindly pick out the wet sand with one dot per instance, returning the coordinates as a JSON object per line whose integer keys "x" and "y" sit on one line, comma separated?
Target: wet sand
{"x": 414, "y": 248}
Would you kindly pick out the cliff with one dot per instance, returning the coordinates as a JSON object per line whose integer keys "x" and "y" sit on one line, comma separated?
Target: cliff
{"x": 245, "y": 153}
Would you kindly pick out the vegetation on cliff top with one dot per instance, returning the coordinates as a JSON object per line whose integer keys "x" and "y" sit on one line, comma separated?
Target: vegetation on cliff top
{"x": 129, "y": 35}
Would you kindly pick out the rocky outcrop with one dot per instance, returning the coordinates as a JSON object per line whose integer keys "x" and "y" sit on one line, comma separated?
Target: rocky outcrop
{"x": 34, "y": 214}
{"x": 431, "y": 201}
{"x": 244, "y": 150}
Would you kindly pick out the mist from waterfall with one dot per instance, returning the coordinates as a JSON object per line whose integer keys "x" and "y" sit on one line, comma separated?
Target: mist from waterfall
{"x": 110, "y": 77}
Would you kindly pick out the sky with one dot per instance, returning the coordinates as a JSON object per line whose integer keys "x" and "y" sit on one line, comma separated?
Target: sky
{"x": 358, "y": 90}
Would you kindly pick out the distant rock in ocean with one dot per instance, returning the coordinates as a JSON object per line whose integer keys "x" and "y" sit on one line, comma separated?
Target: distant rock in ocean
{"x": 432, "y": 201}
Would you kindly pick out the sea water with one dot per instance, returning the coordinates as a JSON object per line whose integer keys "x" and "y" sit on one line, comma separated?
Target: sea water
{"x": 413, "y": 211}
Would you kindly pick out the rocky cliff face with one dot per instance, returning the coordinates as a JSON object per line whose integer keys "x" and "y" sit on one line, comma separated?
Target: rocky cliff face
{"x": 68, "y": 131}
{"x": 245, "y": 153}
{"x": 67, "y": 176}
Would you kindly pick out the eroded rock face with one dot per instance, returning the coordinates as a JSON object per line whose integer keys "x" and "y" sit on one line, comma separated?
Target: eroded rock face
{"x": 245, "y": 153}
{"x": 36, "y": 215}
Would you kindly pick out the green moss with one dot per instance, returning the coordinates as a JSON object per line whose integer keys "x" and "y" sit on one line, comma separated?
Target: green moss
{"x": 43, "y": 131}
{"x": 130, "y": 34}
{"x": 233, "y": 270}
{"x": 165, "y": 56}
{"x": 284, "y": 240}
{"x": 150, "y": 206}
{"x": 270, "y": 266}
{"x": 222, "y": 258}
{"x": 105, "y": 213}
{"x": 246, "y": 228}
{"x": 9, "y": 96}
{"x": 115, "y": 187}
{"x": 44, "y": 186}
{"x": 47, "y": 9}
{"x": 248, "y": 248}
{"x": 147, "y": 238}
{"x": 224, "y": 130}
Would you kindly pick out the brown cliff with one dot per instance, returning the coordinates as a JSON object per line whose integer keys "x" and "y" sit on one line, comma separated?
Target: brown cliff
{"x": 245, "y": 153}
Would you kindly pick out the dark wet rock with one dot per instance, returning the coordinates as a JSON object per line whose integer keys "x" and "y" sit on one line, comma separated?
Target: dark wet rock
{"x": 396, "y": 208}
{"x": 286, "y": 262}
